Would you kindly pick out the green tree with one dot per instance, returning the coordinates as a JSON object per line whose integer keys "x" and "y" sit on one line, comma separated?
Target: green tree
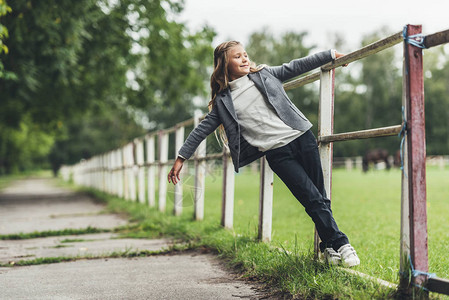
{"x": 24, "y": 146}
{"x": 4, "y": 9}
{"x": 436, "y": 97}
{"x": 72, "y": 58}
{"x": 99, "y": 130}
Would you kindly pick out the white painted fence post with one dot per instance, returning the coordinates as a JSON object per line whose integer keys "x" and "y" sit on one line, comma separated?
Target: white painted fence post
{"x": 404, "y": 264}
{"x": 151, "y": 171}
{"x": 116, "y": 172}
{"x": 107, "y": 169}
{"x": 107, "y": 172}
{"x": 265, "y": 200}
{"x": 107, "y": 177}
{"x": 227, "y": 217}
{"x": 163, "y": 158}
{"x": 132, "y": 173}
{"x": 200, "y": 177}
{"x": 96, "y": 173}
{"x": 93, "y": 169}
{"x": 120, "y": 172}
{"x": 125, "y": 172}
{"x": 112, "y": 172}
{"x": 179, "y": 140}
{"x": 130, "y": 183}
{"x": 141, "y": 170}
{"x": 326, "y": 127}
{"x": 103, "y": 171}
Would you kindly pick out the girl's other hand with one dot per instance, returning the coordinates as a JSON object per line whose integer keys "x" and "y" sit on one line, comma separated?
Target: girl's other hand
{"x": 173, "y": 175}
{"x": 338, "y": 55}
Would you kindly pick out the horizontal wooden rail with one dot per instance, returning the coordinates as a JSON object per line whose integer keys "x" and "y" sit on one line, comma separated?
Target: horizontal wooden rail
{"x": 302, "y": 81}
{"x": 438, "y": 285}
{"x": 436, "y": 39}
{"x": 362, "y": 134}
{"x": 348, "y": 58}
{"x": 365, "y": 51}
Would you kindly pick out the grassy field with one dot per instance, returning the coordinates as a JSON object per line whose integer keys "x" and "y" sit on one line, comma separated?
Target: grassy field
{"x": 366, "y": 207}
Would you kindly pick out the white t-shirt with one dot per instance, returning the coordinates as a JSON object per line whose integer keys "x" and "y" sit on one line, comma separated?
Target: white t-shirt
{"x": 260, "y": 125}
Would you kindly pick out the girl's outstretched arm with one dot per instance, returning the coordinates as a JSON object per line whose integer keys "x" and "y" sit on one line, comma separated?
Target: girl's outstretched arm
{"x": 173, "y": 175}
{"x": 299, "y": 66}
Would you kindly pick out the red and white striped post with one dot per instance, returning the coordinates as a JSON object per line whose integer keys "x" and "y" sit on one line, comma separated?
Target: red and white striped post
{"x": 416, "y": 165}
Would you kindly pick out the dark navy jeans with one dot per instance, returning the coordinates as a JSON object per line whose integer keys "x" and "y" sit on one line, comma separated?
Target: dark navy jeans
{"x": 298, "y": 165}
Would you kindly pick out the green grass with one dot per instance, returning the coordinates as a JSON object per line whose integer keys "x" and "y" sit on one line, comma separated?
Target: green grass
{"x": 129, "y": 253}
{"x": 40, "y": 234}
{"x": 73, "y": 241}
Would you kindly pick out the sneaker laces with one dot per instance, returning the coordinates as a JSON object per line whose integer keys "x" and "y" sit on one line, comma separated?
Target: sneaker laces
{"x": 347, "y": 251}
{"x": 331, "y": 252}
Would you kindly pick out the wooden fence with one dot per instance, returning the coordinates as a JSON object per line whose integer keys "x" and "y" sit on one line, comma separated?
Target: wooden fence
{"x": 122, "y": 171}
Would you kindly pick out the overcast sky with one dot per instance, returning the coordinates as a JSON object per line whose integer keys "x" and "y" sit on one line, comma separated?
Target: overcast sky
{"x": 322, "y": 19}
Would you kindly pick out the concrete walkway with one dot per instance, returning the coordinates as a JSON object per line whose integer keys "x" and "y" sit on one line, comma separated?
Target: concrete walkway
{"x": 39, "y": 205}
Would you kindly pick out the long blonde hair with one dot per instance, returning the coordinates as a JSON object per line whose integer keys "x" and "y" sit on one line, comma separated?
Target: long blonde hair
{"x": 219, "y": 79}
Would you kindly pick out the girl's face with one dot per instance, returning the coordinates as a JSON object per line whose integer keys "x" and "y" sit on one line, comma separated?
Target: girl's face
{"x": 238, "y": 62}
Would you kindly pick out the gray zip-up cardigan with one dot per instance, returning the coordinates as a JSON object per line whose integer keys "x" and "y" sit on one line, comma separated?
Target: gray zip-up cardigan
{"x": 269, "y": 82}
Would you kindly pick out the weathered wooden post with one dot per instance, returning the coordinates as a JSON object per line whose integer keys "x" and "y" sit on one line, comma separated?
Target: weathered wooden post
{"x": 404, "y": 268}
{"x": 200, "y": 176}
{"x": 112, "y": 166}
{"x": 179, "y": 140}
{"x": 265, "y": 201}
{"x": 132, "y": 173}
{"x": 141, "y": 170}
{"x": 326, "y": 127}
{"x": 95, "y": 173}
{"x": 163, "y": 158}
{"x": 120, "y": 173}
{"x": 125, "y": 172}
{"x": 107, "y": 173}
{"x": 227, "y": 211}
{"x": 151, "y": 171}
{"x": 415, "y": 173}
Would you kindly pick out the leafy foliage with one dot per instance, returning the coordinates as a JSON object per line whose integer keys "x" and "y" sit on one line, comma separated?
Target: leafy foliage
{"x": 79, "y": 63}
{"x": 4, "y": 9}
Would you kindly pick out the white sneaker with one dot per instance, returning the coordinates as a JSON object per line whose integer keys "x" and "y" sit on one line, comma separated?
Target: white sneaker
{"x": 348, "y": 256}
{"x": 331, "y": 256}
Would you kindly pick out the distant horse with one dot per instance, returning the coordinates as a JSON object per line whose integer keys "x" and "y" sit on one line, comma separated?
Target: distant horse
{"x": 397, "y": 159}
{"x": 375, "y": 156}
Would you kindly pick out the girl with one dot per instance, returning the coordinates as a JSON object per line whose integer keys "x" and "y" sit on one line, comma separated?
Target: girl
{"x": 257, "y": 118}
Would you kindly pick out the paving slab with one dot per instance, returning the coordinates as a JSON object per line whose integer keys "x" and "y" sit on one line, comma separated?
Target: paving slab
{"x": 39, "y": 205}
{"x": 157, "y": 277}
{"x": 86, "y": 245}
